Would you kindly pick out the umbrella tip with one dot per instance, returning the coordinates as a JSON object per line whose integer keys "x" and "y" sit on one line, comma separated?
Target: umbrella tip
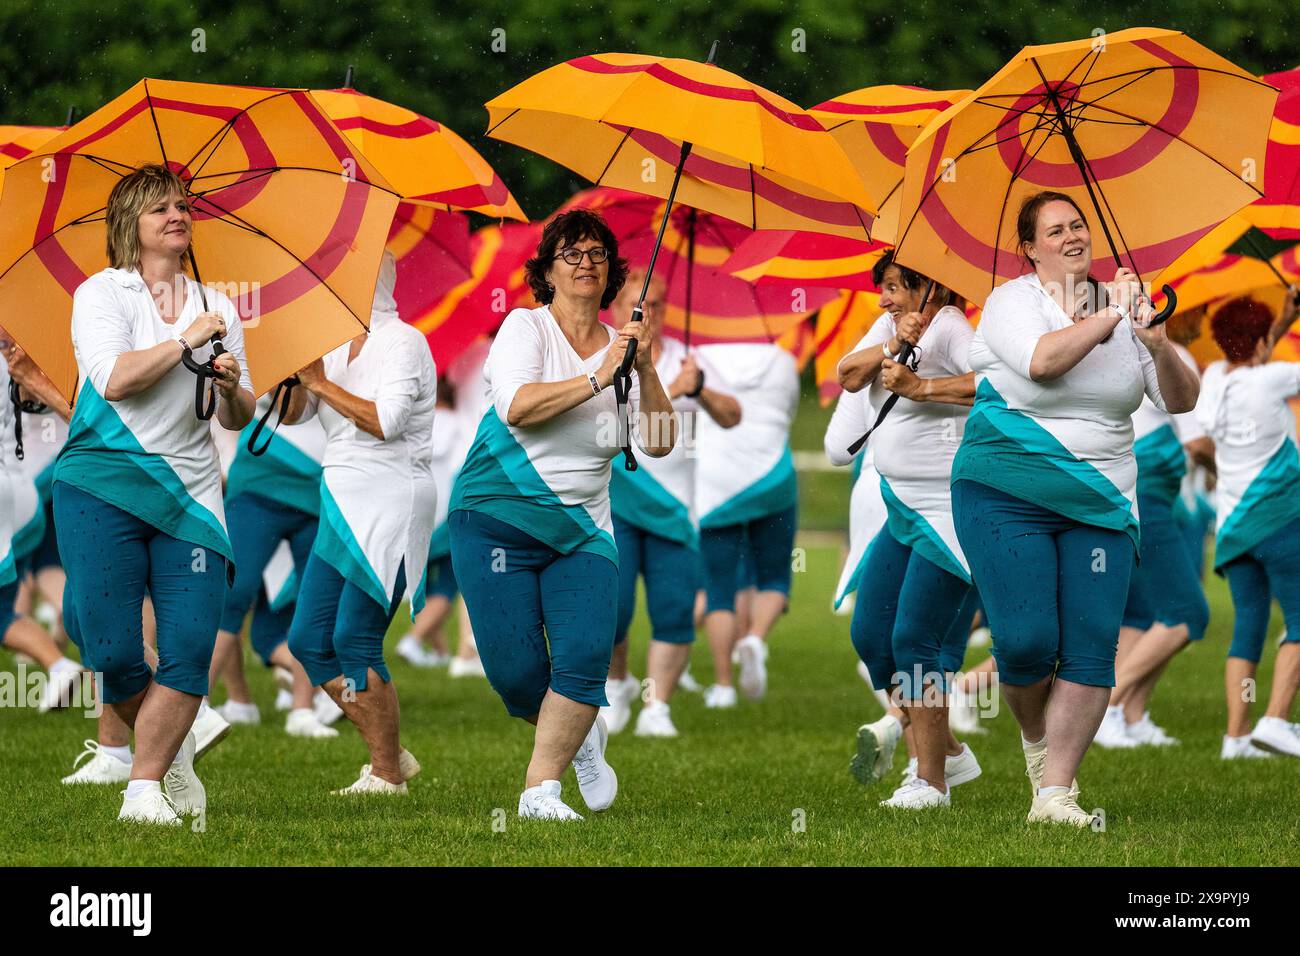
{"x": 712, "y": 51}
{"x": 347, "y": 80}
{"x": 72, "y": 115}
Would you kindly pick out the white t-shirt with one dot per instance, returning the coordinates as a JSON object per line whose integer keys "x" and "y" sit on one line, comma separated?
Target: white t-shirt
{"x": 378, "y": 496}
{"x": 1065, "y": 444}
{"x": 148, "y": 454}
{"x": 550, "y": 480}
{"x": 914, "y": 447}
{"x": 1245, "y": 411}
{"x": 852, "y": 416}
{"x": 747, "y": 472}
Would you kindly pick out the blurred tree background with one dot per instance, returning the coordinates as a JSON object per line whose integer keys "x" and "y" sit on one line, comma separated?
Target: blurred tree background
{"x": 444, "y": 58}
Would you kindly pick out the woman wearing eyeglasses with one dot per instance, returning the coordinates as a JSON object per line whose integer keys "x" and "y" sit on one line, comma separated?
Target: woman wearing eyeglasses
{"x": 532, "y": 542}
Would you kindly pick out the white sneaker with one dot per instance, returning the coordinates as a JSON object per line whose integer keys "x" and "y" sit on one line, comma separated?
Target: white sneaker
{"x": 1146, "y": 731}
{"x": 876, "y": 744}
{"x": 1113, "y": 732}
{"x": 302, "y": 722}
{"x": 980, "y": 637}
{"x": 688, "y": 683}
{"x": 100, "y": 768}
{"x": 460, "y": 667}
{"x": 209, "y": 729}
{"x": 407, "y": 765}
{"x": 964, "y": 713}
{"x": 597, "y": 781}
{"x": 283, "y": 680}
{"x": 327, "y": 712}
{"x": 753, "y": 667}
{"x": 368, "y": 783}
{"x": 620, "y": 694}
{"x": 153, "y": 806}
{"x": 909, "y": 772}
{"x": 543, "y": 802}
{"x": 718, "y": 697}
{"x": 60, "y": 686}
{"x": 283, "y": 700}
{"x": 236, "y": 713}
{"x": 412, "y": 650}
{"x": 184, "y": 789}
{"x": 917, "y": 795}
{"x": 961, "y": 768}
{"x": 1276, "y": 735}
{"x": 1060, "y": 806}
{"x": 1241, "y": 748}
{"x": 655, "y": 721}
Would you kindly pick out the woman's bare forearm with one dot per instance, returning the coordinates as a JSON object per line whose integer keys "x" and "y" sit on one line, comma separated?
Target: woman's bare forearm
{"x": 133, "y": 372}
{"x": 1058, "y": 352}
{"x": 1179, "y": 385}
{"x": 950, "y": 389}
{"x": 859, "y": 369}
{"x": 235, "y": 408}
{"x": 723, "y": 409}
{"x": 362, "y": 412}
{"x": 539, "y": 402}
{"x": 42, "y": 389}
{"x": 655, "y": 418}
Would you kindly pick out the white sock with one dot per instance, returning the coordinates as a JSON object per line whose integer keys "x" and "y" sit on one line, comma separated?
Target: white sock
{"x": 138, "y": 788}
{"x": 1026, "y": 743}
{"x": 753, "y": 637}
{"x": 121, "y": 753}
{"x": 1116, "y": 710}
{"x": 64, "y": 664}
{"x": 1048, "y": 791}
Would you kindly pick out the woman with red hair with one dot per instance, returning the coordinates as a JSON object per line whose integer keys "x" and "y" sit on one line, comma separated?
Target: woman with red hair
{"x": 1243, "y": 407}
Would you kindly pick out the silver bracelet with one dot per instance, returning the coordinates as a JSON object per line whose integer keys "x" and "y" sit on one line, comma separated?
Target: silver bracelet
{"x": 595, "y": 385}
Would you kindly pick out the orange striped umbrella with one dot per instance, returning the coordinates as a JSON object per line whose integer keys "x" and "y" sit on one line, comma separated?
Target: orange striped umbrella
{"x": 625, "y": 120}
{"x": 840, "y": 326}
{"x": 1214, "y": 267}
{"x": 1147, "y": 130}
{"x": 876, "y": 126}
{"x": 1277, "y": 212}
{"x": 18, "y": 142}
{"x": 424, "y": 160}
{"x": 480, "y": 303}
{"x": 433, "y": 254}
{"x": 704, "y": 305}
{"x": 289, "y": 219}
{"x": 794, "y": 259}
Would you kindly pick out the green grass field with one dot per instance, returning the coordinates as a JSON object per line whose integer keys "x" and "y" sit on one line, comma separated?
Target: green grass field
{"x": 729, "y": 791}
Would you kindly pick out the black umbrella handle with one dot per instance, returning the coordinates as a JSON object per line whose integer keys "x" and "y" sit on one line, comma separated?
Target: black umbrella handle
{"x": 204, "y": 405}
{"x": 905, "y": 357}
{"x": 283, "y": 394}
{"x": 1171, "y": 303}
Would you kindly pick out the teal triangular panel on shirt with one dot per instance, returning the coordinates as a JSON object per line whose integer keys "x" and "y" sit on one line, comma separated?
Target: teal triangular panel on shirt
{"x": 1161, "y": 463}
{"x": 1270, "y": 503}
{"x": 775, "y": 492}
{"x": 639, "y": 499}
{"x": 338, "y": 546}
{"x": 909, "y": 527}
{"x": 283, "y": 473}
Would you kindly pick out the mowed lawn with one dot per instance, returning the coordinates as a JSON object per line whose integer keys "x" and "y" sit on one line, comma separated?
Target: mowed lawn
{"x": 766, "y": 783}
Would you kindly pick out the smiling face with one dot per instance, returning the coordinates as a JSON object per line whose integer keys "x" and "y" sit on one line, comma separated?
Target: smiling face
{"x": 1062, "y": 243}
{"x": 584, "y": 281}
{"x": 165, "y": 226}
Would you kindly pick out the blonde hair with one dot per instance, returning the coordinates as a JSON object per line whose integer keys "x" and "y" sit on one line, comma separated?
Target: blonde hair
{"x": 130, "y": 199}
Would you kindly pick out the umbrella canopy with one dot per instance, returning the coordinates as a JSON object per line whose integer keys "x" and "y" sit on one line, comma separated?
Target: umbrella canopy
{"x": 704, "y": 304}
{"x": 18, "y": 142}
{"x": 289, "y": 220}
{"x": 433, "y": 254}
{"x": 622, "y": 119}
{"x": 1228, "y": 261}
{"x": 479, "y": 304}
{"x": 1146, "y": 129}
{"x": 840, "y": 326}
{"x": 424, "y": 160}
{"x": 794, "y": 259}
{"x": 1277, "y": 212}
{"x": 876, "y": 126}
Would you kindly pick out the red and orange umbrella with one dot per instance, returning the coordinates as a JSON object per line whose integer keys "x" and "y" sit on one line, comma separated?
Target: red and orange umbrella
{"x": 705, "y": 305}
{"x": 795, "y": 259}
{"x": 1146, "y": 129}
{"x": 480, "y": 303}
{"x": 876, "y": 126}
{"x": 288, "y": 218}
{"x": 1277, "y": 212}
{"x": 18, "y": 142}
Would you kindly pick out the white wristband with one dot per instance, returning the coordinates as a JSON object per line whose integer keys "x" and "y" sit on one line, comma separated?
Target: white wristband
{"x": 884, "y": 347}
{"x": 184, "y": 345}
{"x": 595, "y": 385}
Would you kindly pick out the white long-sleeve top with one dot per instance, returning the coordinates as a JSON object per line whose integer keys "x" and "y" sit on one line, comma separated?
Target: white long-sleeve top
{"x": 148, "y": 454}
{"x": 852, "y": 416}
{"x": 378, "y": 496}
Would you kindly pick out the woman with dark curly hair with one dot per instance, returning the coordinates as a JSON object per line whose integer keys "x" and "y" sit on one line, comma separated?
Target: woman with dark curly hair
{"x": 532, "y": 542}
{"x": 1244, "y": 409}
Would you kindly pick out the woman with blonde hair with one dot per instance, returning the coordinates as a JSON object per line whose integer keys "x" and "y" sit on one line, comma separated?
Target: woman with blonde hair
{"x": 137, "y": 488}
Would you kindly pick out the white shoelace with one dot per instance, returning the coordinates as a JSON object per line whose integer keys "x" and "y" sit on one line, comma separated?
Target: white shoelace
{"x": 92, "y": 750}
{"x": 585, "y": 764}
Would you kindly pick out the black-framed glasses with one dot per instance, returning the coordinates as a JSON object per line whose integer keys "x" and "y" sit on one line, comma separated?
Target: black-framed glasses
{"x": 574, "y": 256}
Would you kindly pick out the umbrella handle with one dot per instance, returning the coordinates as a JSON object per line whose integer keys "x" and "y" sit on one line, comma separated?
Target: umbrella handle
{"x": 203, "y": 371}
{"x": 283, "y": 393}
{"x": 1171, "y": 303}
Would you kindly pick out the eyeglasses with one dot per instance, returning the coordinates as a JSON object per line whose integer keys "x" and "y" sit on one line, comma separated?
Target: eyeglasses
{"x": 574, "y": 256}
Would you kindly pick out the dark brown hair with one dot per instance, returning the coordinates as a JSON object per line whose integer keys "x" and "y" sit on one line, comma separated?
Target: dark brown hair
{"x": 912, "y": 280}
{"x": 1238, "y": 326}
{"x": 567, "y": 229}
